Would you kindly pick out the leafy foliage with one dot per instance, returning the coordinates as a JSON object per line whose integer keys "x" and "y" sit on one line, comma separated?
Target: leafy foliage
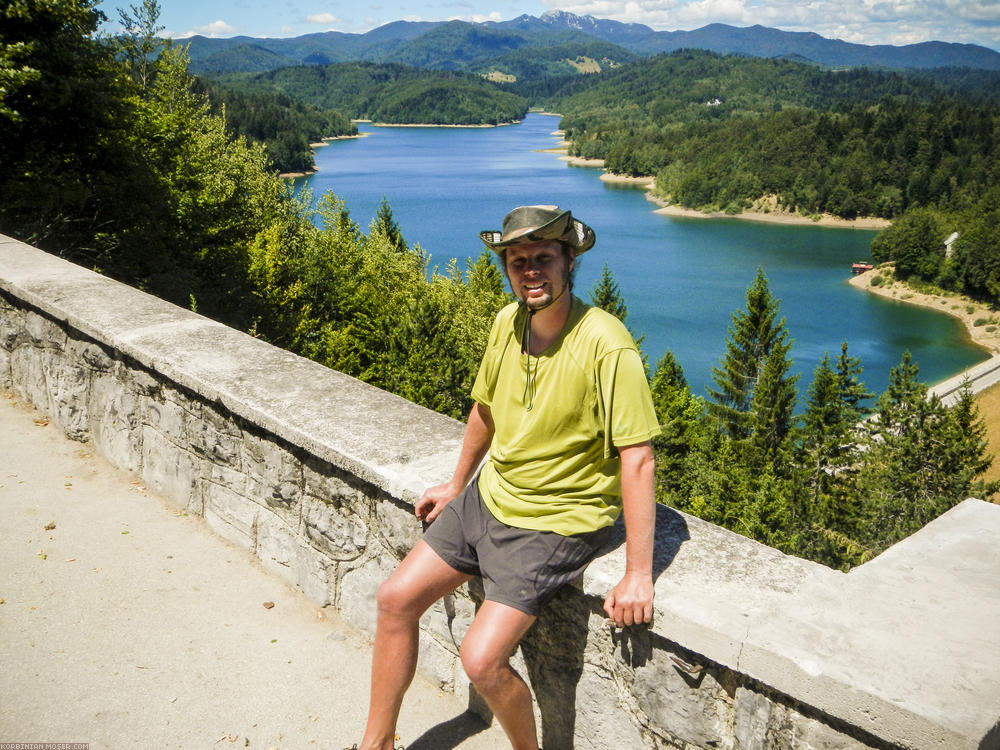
{"x": 833, "y": 485}
{"x": 284, "y": 125}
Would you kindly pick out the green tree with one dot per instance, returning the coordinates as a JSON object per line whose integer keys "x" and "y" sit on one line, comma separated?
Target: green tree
{"x": 773, "y": 405}
{"x": 914, "y": 242}
{"x": 679, "y": 414}
{"x": 64, "y": 125}
{"x": 977, "y": 250}
{"x": 754, "y": 334}
{"x": 827, "y": 510}
{"x": 922, "y": 459}
{"x": 608, "y": 296}
{"x": 386, "y": 224}
{"x": 139, "y": 43}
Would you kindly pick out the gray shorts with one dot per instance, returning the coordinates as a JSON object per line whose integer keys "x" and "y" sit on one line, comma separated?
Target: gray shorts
{"x": 522, "y": 568}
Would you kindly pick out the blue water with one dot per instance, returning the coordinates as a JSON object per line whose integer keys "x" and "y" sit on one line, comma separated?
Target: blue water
{"x": 681, "y": 278}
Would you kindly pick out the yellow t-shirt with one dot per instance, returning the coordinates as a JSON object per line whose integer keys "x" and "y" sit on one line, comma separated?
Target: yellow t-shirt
{"x": 554, "y": 466}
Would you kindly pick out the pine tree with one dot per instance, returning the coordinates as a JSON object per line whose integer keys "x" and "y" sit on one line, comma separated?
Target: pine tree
{"x": 607, "y": 295}
{"x": 386, "y": 224}
{"x": 773, "y": 405}
{"x": 679, "y": 413}
{"x": 851, "y": 390}
{"x": 827, "y": 507}
{"x": 922, "y": 459}
{"x": 753, "y": 335}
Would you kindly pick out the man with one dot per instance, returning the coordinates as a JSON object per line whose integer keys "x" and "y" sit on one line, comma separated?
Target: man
{"x": 563, "y": 409}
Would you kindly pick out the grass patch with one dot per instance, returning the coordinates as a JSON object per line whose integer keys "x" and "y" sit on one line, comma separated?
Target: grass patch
{"x": 988, "y": 402}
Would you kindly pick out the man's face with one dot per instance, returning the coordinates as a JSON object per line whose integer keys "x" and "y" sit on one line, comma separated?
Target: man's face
{"x": 538, "y": 272}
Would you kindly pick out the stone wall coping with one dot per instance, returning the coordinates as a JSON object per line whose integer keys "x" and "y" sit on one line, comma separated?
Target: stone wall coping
{"x": 904, "y": 648}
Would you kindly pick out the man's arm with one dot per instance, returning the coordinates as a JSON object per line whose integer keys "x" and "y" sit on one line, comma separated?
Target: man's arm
{"x": 478, "y": 436}
{"x": 631, "y": 600}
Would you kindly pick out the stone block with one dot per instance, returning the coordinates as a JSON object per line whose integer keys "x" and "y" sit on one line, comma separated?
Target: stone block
{"x": 216, "y": 438}
{"x": 68, "y": 383}
{"x": 277, "y": 546}
{"x": 333, "y": 529}
{"x": 685, "y": 705}
{"x": 232, "y": 479}
{"x": 396, "y": 526}
{"x": 231, "y": 515}
{"x": 790, "y": 730}
{"x": 751, "y": 720}
{"x": 171, "y": 471}
{"x": 115, "y": 421}
{"x": 89, "y": 354}
{"x": 43, "y": 333}
{"x": 436, "y": 662}
{"x": 141, "y": 381}
{"x": 274, "y": 476}
{"x": 28, "y": 375}
{"x": 328, "y": 483}
{"x": 170, "y": 418}
{"x": 357, "y": 590}
{"x": 6, "y": 381}
{"x": 317, "y": 575}
{"x": 596, "y": 719}
{"x": 12, "y": 329}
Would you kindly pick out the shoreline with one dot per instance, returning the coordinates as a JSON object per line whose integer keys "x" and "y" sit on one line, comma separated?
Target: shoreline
{"x": 775, "y": 217}
{"x": 771, "y": 216}
{"x": 324, "y": 141}
{"x": 953, "y": 304}
{"x": 436, "y": 124}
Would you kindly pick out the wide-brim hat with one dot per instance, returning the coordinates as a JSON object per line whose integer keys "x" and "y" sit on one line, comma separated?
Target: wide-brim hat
{"x": 533, "y": 223}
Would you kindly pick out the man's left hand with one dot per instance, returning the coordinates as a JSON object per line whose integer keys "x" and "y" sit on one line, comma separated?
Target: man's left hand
{"x": 631, "y": 601}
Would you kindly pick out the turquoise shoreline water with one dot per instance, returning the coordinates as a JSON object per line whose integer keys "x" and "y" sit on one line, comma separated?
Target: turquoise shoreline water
{"x": 682, "y": 277}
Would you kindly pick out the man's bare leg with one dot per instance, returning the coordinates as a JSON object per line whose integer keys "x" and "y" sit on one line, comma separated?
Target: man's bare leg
{"x": 486, "y": 652}
{"x": 419, "y": 581}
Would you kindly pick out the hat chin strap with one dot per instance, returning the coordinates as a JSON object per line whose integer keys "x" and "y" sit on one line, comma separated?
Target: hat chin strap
{"x": 528, "y": 396}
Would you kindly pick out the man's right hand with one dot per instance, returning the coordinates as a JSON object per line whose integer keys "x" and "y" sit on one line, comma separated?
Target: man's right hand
{"x": 432, "y": 502}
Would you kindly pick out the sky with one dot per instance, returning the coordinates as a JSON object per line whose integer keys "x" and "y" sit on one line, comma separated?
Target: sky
{"x": 896, "y": 22}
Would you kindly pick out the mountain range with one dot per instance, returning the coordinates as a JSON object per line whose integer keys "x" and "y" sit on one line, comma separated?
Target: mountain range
{"x": 481, "y": 47}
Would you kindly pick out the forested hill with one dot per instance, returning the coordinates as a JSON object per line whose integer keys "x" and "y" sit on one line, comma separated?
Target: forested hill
{"x": 434, "y": 45}
{"x": 285, "y": 126}
{"x": 723, "y": 132}
{"x": 391, "y": 93}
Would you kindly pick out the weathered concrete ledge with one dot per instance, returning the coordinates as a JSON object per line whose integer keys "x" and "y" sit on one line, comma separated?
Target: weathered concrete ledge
{"x": 315, "y": 473}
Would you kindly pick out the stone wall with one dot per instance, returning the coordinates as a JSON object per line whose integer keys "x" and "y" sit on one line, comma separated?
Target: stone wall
{"x": 315, "y": 474}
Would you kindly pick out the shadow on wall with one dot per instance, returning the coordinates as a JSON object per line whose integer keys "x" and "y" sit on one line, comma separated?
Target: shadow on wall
{"x": 563, "y": 640}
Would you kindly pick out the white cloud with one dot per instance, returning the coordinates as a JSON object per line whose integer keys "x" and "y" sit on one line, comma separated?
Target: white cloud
{"x": 860, "y": 21}
{"x": 322, "y": 19}
{"x": 479, "y": 18}
{"x": 214, "y": 29}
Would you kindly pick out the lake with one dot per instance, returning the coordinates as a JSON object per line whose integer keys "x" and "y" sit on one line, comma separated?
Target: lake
{"x": 682, "y": 278}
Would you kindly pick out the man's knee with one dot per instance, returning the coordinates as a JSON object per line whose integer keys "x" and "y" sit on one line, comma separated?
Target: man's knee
{"x": 395, "y": 599}
{"x": 482, "y": 663}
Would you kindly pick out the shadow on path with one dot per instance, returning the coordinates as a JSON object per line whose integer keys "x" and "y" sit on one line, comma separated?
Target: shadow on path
{"x": 449, "y": 734}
